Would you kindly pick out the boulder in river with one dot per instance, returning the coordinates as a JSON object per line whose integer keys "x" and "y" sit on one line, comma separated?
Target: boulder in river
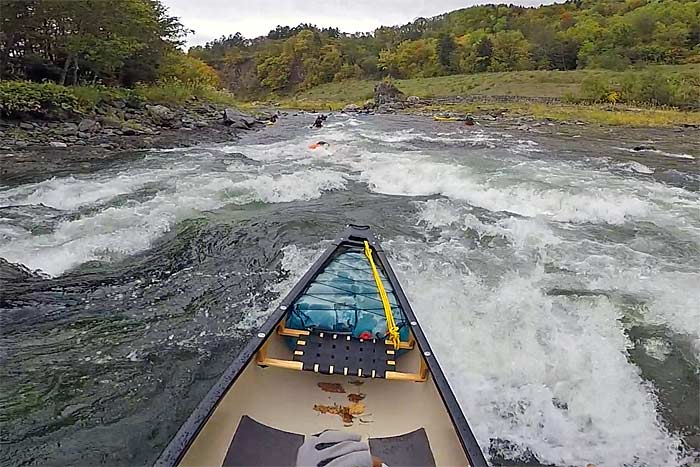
{"x": 160, "y": 114}
{"x": 351, "y": 108}
{"x": 58, "y": 144}
{"x": 644, "y": 147}
{"x": 237, "y": 119}
{"x": 386, "y": 93}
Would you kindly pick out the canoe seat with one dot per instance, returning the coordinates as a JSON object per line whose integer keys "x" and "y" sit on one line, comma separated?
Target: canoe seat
{"x": 409, "y": 450}
{"x": 258, "y": 445}
{"x": 339, "y": 354}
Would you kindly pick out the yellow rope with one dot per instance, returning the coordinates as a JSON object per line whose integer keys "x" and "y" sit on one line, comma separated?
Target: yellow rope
{"x": 391, "y": 328}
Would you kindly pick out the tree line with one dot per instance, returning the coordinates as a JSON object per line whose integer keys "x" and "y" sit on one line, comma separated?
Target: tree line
{"x": 110, "y": 42}
{"x": 125, "y": 42}
{"x": 611, "y": 34}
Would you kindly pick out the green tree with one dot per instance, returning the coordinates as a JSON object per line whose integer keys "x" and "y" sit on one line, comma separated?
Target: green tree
{"x": 511, "y": 51}
{"x": 273, "y": 72}
{"x": 446, "y": 49}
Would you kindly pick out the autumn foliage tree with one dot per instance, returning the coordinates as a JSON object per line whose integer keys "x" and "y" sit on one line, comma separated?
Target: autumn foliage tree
{"x": 611, "y": 34}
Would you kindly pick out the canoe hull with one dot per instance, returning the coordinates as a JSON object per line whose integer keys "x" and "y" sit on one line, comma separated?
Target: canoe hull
{"x": 258, "y": 386}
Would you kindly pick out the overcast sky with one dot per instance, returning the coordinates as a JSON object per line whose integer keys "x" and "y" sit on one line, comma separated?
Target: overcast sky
{"x": 213, "y": 18}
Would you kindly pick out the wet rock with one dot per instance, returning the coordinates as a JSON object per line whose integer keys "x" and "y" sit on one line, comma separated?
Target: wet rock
{"x": 369, "y": 104}
{"x": 201, "y": 124}
{"x": 161, "y": 115}
{"x": 58, "y": 144}
{"x": 26, "y": 126}
{"x": 237, "y": 119}
{"x": 88, "y": 125}
{"x": 644, "y": 147}
{"x": 413, "y": 100}
{"x": 386, "y": 93}
{"x": 386, "y": 108}
{"x": 83, "y": 135}
{"x": 21, "y": 144}
{"x": 351, "y": 108}
{"x": 12, "y": 271}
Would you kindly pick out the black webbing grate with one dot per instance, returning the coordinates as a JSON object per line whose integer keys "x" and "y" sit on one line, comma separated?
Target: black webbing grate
{"x": 330, "y": 353}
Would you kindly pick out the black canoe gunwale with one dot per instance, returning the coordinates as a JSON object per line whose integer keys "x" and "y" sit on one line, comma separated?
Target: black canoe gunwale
{"x": 354, "y": 235}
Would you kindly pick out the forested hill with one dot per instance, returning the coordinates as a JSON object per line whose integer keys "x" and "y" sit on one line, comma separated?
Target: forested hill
{"x": 611, "y": 34}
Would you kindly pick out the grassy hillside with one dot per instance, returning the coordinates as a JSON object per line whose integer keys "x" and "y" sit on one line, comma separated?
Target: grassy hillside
{"x": 535, "y": 83}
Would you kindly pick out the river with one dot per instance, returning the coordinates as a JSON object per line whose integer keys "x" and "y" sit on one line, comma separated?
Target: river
{"x": 556, "y": 274}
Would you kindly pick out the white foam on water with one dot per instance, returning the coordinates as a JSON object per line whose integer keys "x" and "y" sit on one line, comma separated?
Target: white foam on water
{"x": 636, "y": 167}
{"x": 546, "y": 373}
{"x": 119, "y": 231}
{"x": 420, "y": 175}
{"x": 284, "y": 188}
{"x": 73, "y": 192}
{"x": 658, "y": 151}
{"x": 657, "y": 348}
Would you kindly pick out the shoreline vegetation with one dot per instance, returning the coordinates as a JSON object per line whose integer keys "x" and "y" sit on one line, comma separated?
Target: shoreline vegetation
{"x": 609, "y": 62}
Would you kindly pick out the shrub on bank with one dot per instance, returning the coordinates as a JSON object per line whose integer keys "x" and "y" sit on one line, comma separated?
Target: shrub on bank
{"x": 643, "y": 87}
{"x": 50, "y": 100}
{"x": 19, "y": 98}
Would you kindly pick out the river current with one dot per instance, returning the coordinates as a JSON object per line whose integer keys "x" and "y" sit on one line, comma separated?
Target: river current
{"x": 557, "y": 277}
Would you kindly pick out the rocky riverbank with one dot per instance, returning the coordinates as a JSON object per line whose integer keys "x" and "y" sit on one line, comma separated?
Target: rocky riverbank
{"x": 79, "y": 143}
{"x": 114, "y": 126}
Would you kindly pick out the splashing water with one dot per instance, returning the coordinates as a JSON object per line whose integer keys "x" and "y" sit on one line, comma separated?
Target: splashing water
{"x": 560, "y": 295}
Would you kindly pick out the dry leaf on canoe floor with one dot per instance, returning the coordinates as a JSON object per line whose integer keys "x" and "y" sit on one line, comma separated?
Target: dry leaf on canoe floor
{"x": 331, "y": 387}
{"x": 356, "y": 397}
{"x": 347, "y": 413}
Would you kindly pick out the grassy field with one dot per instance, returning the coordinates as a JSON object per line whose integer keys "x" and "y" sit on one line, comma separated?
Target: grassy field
{"x": 618, "y": 115}
{"x": 515, "y": 83}
{"x": 557, "y": 84}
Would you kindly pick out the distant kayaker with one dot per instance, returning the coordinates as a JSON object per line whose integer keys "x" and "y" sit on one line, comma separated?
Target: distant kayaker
{"x": 318, "y": 123}
{"x": 319, "y": 144}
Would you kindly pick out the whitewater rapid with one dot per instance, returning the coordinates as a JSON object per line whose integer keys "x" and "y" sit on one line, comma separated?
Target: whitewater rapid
{"x": 526, "y": 270}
